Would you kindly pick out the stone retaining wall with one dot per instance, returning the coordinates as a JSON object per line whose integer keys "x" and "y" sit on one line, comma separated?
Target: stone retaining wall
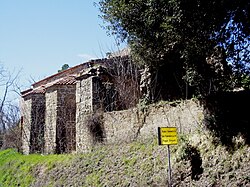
{"x": 126, "y": 126}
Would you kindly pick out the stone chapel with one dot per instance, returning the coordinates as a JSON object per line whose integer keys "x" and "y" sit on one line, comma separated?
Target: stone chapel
{"x": 54, "y": 109}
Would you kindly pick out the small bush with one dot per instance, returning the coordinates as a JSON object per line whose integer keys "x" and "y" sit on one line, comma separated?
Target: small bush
{"x": 190, "y": 153}
{"x": 96, "y": 128}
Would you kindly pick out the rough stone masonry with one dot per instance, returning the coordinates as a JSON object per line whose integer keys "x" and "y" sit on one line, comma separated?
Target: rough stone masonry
{"x": 56, "y": 110}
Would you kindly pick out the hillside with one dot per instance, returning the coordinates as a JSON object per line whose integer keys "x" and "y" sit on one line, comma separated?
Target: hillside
{"x": 197, "y": 160}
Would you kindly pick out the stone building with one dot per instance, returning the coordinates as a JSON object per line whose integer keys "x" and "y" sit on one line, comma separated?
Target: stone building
{"x": 91, "y": 103}
{"x": 54, "y": 109}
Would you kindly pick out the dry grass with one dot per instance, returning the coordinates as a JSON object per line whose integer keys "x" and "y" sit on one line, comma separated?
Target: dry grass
{"x": 137, "y": 164}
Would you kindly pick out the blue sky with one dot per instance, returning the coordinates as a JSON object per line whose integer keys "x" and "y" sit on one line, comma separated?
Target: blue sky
{"x": 39, "y": 36}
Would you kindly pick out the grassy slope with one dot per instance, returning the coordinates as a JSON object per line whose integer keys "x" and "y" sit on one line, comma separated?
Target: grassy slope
{"x": 136, "y": 164}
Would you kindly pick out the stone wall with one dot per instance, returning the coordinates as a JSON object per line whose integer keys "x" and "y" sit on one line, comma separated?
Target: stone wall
{"x": 71, "y": 115}
{"x": 37, "y": 124}
{"x": 128, "y": 125}
{"x": 26, "y": 124}
{"x": 121, "y": 126}
{"x": 60, "y": 119}
{"x": 66, "y": 120}
{"x": 72, "y": 109}
{"x": 186, "y": 116}
{"x": 50, "y": 120}
{"x": 33, "y": 112}
{"x": 84, "y": 109}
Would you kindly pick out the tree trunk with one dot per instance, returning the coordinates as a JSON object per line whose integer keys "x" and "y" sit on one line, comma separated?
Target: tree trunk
{"x": 146, "y": 85}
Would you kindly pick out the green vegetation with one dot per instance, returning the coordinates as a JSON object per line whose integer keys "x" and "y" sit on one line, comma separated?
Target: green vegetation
{"x": 141, "y": 163}
{"x": 64, "y": 67}
{"x": 186, "y": 33}
{"x": 19, "y": 170}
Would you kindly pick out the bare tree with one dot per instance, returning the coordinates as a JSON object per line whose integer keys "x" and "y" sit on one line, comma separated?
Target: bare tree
{"x": 11, "y": 137}
{"x": 9, "y": 112}
{"x": 126, "y": 78}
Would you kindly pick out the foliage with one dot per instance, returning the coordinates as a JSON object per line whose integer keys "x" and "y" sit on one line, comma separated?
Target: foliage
{"x": 172, "y": 31}
{"x": 226, "y": 116}
{"x": 246, "y": 81}
{"x": 94, "y": 124}
{"x": 64, "y": 67}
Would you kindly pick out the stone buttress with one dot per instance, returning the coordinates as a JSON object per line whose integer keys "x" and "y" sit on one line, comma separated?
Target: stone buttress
{"x": 33, "y": 120}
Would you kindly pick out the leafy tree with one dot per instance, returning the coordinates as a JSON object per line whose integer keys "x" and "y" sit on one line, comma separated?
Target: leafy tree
{"x": 64, "y": 67}
{"x": 184, "y": 32}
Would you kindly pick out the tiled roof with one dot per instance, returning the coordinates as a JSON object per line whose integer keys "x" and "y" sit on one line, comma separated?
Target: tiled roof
{"x": 39, "y": 90}
{"x": 66, "y": 77}
{"x": 66, "y": 80}
{"x": 69, "y": 80}
{"x": 71, "y": 71}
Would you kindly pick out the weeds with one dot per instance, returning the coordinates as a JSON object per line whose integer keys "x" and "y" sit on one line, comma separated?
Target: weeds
{"x": 141, "y": 163}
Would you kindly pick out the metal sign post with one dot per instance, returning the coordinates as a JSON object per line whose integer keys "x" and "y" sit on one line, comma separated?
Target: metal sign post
{"x": 169, "y": 168}
{"x": 168, "y": 136}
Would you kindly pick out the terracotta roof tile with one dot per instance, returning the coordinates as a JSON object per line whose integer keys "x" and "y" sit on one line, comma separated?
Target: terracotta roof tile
{"x": 69, "y": 80}
{"x": 67, "y": 77}
{"x": 66, "y": 81}
{"x": 40, "y": 90}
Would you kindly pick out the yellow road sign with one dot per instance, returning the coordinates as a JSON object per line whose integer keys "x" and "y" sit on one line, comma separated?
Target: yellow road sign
{"x": 167, "y": 135}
